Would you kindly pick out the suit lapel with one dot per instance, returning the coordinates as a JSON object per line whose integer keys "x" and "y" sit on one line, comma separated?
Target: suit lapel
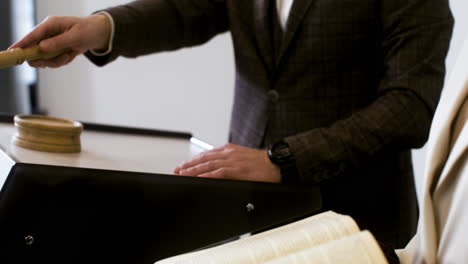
{"x": 262, "y": 32}
{"x": 296, "y": 15}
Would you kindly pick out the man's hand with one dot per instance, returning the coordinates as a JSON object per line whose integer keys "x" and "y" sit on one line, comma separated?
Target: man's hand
{"x": 77, "y": 34}
{"x": 232, "y": 162}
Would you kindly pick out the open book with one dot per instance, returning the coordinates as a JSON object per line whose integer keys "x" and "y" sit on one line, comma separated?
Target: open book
{"x": 324, "y": 238}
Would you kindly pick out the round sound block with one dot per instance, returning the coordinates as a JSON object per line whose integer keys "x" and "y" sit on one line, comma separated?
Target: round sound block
{"x": 49, "y": 134}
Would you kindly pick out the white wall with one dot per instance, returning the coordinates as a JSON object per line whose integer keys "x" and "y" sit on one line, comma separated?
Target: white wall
{"x": 190, "y": 90}
{"x": 23, "y": 15}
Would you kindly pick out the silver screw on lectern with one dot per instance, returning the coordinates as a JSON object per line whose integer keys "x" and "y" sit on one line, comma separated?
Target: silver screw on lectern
{"x": 29, "y": 240}
{"x": 249, "y": 207}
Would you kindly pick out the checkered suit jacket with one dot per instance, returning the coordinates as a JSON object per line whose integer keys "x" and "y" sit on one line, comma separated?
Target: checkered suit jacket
{"x": 352, "y": 88}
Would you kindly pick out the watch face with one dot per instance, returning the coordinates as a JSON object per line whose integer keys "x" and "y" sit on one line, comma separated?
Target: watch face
{"x": 280, "y": 153}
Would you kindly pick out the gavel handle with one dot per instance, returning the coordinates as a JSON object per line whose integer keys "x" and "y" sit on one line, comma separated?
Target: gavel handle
{"x": 18, "y": 56}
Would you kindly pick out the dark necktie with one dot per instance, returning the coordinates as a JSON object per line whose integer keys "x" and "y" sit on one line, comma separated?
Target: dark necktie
{"x": 277, "y": 31}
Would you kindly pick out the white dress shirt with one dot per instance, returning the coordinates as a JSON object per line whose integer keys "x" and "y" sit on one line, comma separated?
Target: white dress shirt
{"x": 283, "y": 7}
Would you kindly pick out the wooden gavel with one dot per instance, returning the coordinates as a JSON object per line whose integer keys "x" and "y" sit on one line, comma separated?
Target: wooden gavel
{"x": 18, "y": 56}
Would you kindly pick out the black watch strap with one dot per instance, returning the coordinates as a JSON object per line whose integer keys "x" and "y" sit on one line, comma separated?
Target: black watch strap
{"x": 280, "y": 154}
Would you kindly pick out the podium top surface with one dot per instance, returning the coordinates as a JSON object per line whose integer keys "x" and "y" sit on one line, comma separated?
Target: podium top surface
{"x": 109, "y": 150}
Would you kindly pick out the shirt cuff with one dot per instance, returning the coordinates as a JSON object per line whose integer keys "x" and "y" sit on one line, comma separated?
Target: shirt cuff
{"x": 111, "y": 39}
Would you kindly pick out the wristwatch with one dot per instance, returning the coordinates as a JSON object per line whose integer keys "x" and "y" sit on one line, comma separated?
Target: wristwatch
{"x": 280, "y": 154}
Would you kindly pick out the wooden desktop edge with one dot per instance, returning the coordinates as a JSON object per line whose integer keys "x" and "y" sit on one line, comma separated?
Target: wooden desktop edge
{"x": 6, "y": 118}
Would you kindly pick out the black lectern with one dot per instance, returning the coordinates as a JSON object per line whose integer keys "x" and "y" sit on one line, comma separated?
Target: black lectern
{"x": 83, "y": 211}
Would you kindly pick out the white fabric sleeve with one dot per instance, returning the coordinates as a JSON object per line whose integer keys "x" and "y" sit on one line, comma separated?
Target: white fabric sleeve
{"x": 111, "y": 39}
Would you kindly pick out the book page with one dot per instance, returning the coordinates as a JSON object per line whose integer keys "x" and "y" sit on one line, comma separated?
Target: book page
{"x": 360, "y": 248}
{"x": 274, "y": 243}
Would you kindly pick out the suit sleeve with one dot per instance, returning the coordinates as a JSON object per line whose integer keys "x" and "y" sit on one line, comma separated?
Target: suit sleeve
{"x": 146, "y": 26}
{"x": 415, "y": 40}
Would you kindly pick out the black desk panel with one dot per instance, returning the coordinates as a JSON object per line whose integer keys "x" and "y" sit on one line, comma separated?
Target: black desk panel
{"x": 66, "y": 214}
